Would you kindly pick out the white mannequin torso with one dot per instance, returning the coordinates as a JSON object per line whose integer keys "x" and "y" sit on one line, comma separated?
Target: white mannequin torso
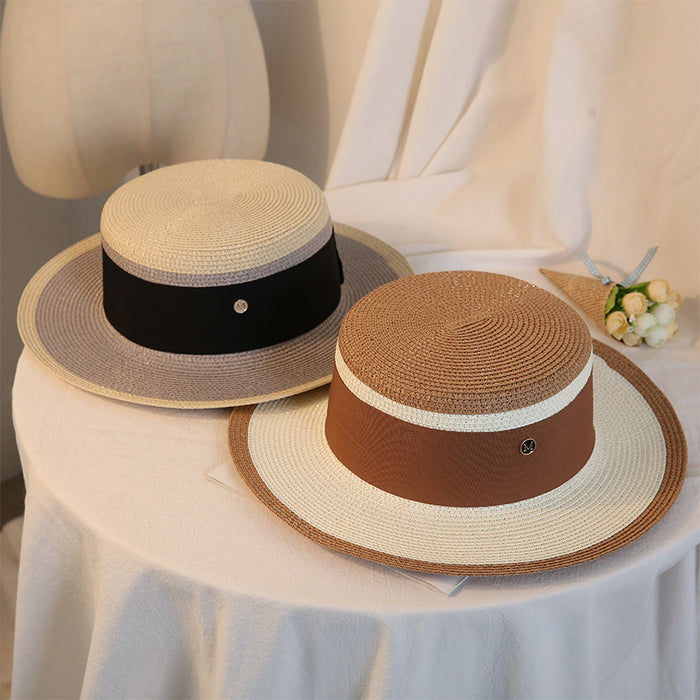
{"x": 92, "y": 89}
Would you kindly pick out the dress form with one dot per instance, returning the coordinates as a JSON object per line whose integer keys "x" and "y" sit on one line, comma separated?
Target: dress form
{"x": 92, "y": 89}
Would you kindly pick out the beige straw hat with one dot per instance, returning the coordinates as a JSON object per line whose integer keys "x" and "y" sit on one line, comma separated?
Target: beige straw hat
{"x": 471, "y": 427}
{"x": 212, "y": 283}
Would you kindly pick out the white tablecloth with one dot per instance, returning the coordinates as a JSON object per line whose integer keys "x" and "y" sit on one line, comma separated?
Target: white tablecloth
{"x": 140, "y": 577}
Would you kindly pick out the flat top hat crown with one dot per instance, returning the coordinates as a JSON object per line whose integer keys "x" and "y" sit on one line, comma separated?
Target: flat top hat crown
{"x": 214, "y": 222}
{"x": 464, "y": 343}
{"x": 484, "y": 374}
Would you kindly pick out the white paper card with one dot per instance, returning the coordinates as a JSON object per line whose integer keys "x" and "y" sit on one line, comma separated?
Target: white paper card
{"x": 226, "y": 475}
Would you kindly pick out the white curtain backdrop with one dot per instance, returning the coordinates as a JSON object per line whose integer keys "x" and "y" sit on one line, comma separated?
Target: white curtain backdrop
{"x": 526, "y": 129}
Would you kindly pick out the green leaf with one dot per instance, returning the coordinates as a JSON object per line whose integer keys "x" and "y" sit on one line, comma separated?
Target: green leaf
{"x": 612, "y": 297}
{"x": 639, "y": 287}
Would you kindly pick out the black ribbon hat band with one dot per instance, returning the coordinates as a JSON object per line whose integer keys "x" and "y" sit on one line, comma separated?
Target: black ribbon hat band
{"x": 228, "y": 318}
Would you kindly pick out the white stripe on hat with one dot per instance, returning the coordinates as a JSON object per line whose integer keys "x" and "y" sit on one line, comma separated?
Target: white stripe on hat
{"x": 485, "y": 422}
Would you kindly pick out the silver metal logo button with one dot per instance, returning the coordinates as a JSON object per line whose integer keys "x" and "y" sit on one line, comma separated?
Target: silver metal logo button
{"x": 527, "y": 447}
{"x": 240, "y": 306}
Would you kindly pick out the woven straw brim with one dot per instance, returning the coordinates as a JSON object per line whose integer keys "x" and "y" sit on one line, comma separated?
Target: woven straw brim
{"x": 632, "y": 478}
{"x": 61, "y": 320}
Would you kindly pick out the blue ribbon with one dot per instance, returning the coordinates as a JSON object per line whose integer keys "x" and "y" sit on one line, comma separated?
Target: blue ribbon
{"x": 634, "y": 275}
{"x": 593, "y": 269}
{"x": 630, "y": 279}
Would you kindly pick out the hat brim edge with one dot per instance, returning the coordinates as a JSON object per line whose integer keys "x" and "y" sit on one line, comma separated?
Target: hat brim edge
{"x": 674, "y": 475}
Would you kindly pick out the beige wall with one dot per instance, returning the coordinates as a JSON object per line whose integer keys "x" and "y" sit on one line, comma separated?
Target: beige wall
{"x": 313, "y": 51}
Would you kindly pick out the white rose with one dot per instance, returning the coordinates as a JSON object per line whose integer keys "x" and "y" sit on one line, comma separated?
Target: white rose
{"x": 631, "y": 339}
{"x": 664, "y": 314}
{"x": 634, "y": 303}
{"x": 616, "y": 324}
{"x": 644, "y": 323}
{"x": 674, "y": 300}
{"x": 671, "y": 330}
{"x": 656, "y": 336}
{"x": 658, "y": 290}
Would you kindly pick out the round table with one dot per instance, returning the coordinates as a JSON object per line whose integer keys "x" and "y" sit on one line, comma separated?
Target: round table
{"x": 140, "y": 577}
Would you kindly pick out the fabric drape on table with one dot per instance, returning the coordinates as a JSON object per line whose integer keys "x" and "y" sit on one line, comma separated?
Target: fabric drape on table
{"x": 141, "y": 578}
{"x": 531, "y": 127}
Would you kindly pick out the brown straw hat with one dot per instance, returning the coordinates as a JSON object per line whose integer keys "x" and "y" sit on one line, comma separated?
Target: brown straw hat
{"x": 212, "y": 283}
{"x": 471, "y": 427}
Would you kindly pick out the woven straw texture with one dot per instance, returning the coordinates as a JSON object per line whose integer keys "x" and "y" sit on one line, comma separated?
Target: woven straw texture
{"x": 464, "y": 343}
{"x": 61, "y": 320}
{"x": 630, "y": 481}
{"x": 213, "y": 217}
{"x": 470, "y": 422}
{"x": 588, "y": 293}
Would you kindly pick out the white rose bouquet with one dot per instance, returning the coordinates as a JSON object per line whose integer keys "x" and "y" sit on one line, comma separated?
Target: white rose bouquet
{"x": 632, "y": 313}
{"x": 644, "y": 312}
